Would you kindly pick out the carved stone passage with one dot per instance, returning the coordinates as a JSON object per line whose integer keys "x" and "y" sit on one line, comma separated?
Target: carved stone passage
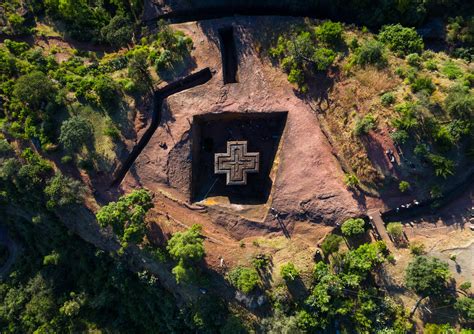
{"x": 236, "y": 163}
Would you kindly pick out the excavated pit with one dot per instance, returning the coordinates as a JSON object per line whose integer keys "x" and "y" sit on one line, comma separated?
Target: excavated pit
{"x": 228, "y": 54}
{"x": 211, "y": 132}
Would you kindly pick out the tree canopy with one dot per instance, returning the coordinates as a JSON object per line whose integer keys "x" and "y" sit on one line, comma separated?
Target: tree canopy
{"x": 127, "y": 216}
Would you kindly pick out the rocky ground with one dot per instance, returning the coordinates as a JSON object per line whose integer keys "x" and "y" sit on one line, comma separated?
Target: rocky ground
{"x": 308, "y": 184}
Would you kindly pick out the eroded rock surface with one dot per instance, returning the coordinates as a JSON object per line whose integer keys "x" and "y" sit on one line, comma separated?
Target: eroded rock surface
{"x": 309, "y": 181}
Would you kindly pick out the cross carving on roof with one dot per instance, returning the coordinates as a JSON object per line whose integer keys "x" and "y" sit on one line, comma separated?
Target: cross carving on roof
{"x": 236, "y": 163}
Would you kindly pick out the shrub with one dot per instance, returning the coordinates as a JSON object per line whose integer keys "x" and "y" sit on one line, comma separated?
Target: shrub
{"x": 395, "y": 230}
{"x": 331, "y": 244}
{"x": 329, "y": 32}
{"x": 353, "y": 226}
{"x": 370, "y": 53}
{"x": 289, "y": 272}
{"x": 459, "y": 103}
{"x": 451, "y": 70}
{"x": 351, "y": 180}
{"x": 261, "y": 261}
{"x": 400, "y": 39}
{"x": 364, "y": 125}
{"x": 63, "y": 191}
{"x": 404, "y": 186}
{"x": 414, "y": 59}
{"x": 465, "y": 286}
{"x": 407, "y": 119}
{"x": 243, "y": 278}
{"x": 112, "y": 131}
{"x": 387, "y": 99}
{"x": 417, "y": 248}
{"x": 465, "y": 307}
{"x": 443, "y": 166}
{"x": 423, "y": 84}
{"x": 75, "y": 132}
{"x": 431, "y": 65}
{"x": 323, "y": 58}
{"x": 400, "y": 136}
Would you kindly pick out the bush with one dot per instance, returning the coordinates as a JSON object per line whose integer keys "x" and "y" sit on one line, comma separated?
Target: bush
{"x": 351, "y": 180}
{"x": 353, "y": 226}
{"x": 370, "y": 53}
{"x": 400, "y": 136}
{"x": 423, "y": 84}
{"x": 459, "y": 103}
{"x": 431, "y": 65}
{"x": 404, "y": 186}
{"x": 443, "y": 166}
{"x": 329, "y": 32}
{"x": 243, "y": 278}
{"x": 417, "y": 248}
{"x": 414, "y": 59}
{"x": 395, "y": 230}
{"x": 331, "y": 244}
{"x": 261, "y": 261}
{"x": 401, "y": 40}
{"x": 387, "y": 99}
{"x": 75, "y": 132}
{"x": 63, "y": 191}
{"x": 465, "y": 307}
{"x": 364, "y": 125}
{"x": 289, "y": 272}
{"x": 465, "y": 286}
{"x": 407, "y": 119}
{"x": 451, "y": 70}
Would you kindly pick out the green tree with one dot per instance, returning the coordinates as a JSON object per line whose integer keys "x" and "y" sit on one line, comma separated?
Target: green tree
{"x": 465, "y": 307}
{"x": 243, "y": 278}
{"x": 187, "y": 248}
{"x": 353, "y": 227}
{"x": 400, "y": 39}
{"x": 138, "y": 68}
{"x": 331, "y": 244}
{"x": 127, "y": 216}
{"x": 34, "y": 89}
{"x": 370, "y": 53}
{"x": 329, "y": 32}
{"x": 107, "y": 90}
{"x": 118, "y": 32}
{"x": 289, "y": 272}
{"x": 427, "y": 276}
{"x": 63, "y": 191}
{"x": 75, "y": 133}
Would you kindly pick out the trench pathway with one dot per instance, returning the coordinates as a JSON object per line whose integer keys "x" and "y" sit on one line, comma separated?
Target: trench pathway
{"x": 380, "y": 226}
